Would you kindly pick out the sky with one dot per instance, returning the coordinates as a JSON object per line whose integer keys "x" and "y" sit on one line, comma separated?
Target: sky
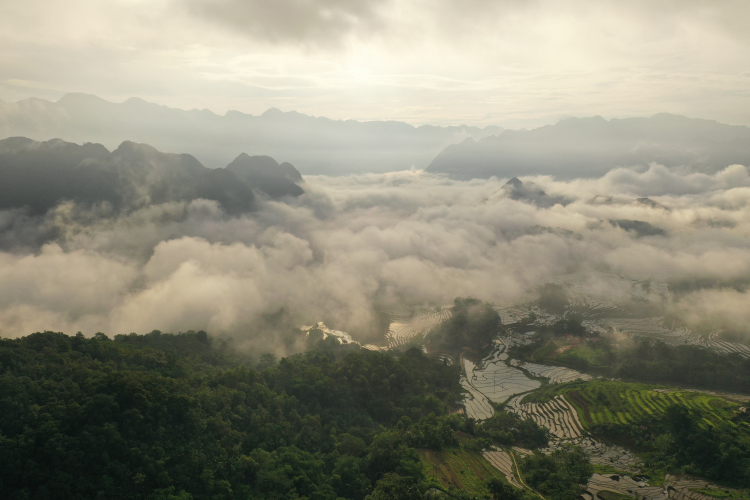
{"x": 510, "y": 63}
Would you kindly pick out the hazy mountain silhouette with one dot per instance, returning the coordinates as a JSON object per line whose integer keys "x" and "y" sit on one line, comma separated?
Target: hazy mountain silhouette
{"x": 529, "y": 192}
{"x": 315, "y": 145}
{"x": 639, "y": 227}
{"x": 39, "y": 175}
{"x": 277, "y": 180}
{"x": 583, "y": 147}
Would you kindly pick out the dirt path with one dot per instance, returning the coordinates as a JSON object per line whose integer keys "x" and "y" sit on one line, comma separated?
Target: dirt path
{"x": 520, "y": 477}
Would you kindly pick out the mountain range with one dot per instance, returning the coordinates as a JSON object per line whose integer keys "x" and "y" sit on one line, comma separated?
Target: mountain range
{"x": 316, "y": 145}
{"x": 590, "y": 147}
{"x": 39, "y": 175}
{"x": 574, "y": 147}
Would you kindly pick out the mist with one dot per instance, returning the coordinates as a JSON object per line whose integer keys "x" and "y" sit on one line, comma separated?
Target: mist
{"x": 315, "y": 145}
{"x": 351, "y": 247}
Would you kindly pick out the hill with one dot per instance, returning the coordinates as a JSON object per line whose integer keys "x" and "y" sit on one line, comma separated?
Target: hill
{"x": 316, "y": 145}
{"x": 164, "y": 416}
{"x": 38, "y": 175}
{"x": 588, "y": 147}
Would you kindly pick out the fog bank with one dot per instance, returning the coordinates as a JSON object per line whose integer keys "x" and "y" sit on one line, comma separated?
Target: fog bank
{"x": 351, "y": 246}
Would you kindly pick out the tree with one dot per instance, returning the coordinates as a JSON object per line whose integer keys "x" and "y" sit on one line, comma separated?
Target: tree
{"x": 396, "y": 487}
{"x": 473, "y": 324}
{"x": 267, "y": 360}
{"x": 500, "y": 490}
{"x": 560, "y": 474}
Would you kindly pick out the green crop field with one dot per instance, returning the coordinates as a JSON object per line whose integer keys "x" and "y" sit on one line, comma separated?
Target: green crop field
{"x": 459, "y": 468}
{"x": 544, "y": 351}
{"x": 724, "y": 493}
{"x": 581, "y": 352}
{"x": 611, "y": 495}
{"x": 617, "y": 403}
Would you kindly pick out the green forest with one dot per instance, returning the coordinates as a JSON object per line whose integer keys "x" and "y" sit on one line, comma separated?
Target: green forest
{"x": 674, "y": 431}
{"x": 162, "y": 416}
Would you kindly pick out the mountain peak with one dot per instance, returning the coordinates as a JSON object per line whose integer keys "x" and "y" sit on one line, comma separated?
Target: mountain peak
{"x": 265, "y": 173}
{"x": 81, "y": 99}
{"x": 272, "y": 113}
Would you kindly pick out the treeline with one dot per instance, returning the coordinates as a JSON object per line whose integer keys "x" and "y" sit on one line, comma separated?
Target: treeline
{"x": 473, "y": 323}
{"x": 171, "y": 416}
{"x": 648, "y": 361}
{"x": 680, "y": 442}
{"x": 163, "y": 416}
{"x": 688, "y": 365}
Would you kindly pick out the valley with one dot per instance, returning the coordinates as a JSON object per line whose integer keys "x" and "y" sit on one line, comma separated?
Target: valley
{"x": 585, "y": 409}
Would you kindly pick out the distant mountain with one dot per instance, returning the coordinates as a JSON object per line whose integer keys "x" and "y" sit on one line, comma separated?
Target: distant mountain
{"x": 528, "y": 192}
{"x": 39, "y": 175}
{"x": 277, "y": 180}
{"x": 315, "y": 145}
{"x": 583, "y": 147}
{"x": 638, "y": 227}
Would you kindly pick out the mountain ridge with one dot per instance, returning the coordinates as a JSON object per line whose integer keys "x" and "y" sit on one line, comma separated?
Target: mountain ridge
{"x": 39, "y": 175}
{"x": 316, "y": 145}
{"x": 589, "y": 147}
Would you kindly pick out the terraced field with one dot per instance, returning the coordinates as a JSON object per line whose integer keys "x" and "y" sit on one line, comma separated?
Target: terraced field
{"x": 502, "y": 461}
{"x": 685, "y": 489}
{"x": 727, "y": 347}
{"x": 608, "y": 455}
{"x": 612, "y": 288}
{"x": 514, "y": 339}
{"x": 555, "y": 374}
{"x": 492, "y": 380}
{"x": 654, "y": 328}
{"x": 476, "y": 404}
{"x": 673, "y": 488}
{"x": 563, "y": 422}
{"x": 512, "y": 314}
{"x": 590, "y": 308}
{"x": 459, "y": 468}
{"x": 557, "y": 415}
{"x": 404, "y": 329}
{"x": 599, "y": 485}
{"x": 605, "y": 402}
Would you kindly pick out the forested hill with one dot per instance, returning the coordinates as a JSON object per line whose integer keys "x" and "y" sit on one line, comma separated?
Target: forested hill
{"x": 179, "y": 416}
{"x": 39, "y": 175}
{"x": 316, "y": 145}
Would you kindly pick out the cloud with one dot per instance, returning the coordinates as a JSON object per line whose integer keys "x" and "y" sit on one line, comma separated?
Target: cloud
{"x": 508, "y": 63}
{"x": 353, "y": 245}
{"x": 723, "y": 307}
{"x": 317, "y": 22}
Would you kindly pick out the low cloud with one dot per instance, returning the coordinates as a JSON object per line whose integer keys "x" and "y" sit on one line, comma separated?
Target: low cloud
{"x": 351, "y": 246}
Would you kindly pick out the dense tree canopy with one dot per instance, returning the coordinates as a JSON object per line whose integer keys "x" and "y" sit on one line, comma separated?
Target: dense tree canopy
{"x": 509, "y": 429}
{"x": 680, "y": 441}
{"x": 473, "y": 324}
{"x": 176, "y": 416}
{"x": 560, "y": 474}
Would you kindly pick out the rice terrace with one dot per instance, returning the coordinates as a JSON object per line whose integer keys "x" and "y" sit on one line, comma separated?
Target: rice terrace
{"x": 596, "y": 375}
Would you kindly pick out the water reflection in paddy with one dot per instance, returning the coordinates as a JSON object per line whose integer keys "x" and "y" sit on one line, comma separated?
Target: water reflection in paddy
{"x": 492, "y": 379}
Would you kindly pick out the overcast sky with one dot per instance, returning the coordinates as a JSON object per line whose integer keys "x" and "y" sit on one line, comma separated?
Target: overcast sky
{"x": 511, "y": 63}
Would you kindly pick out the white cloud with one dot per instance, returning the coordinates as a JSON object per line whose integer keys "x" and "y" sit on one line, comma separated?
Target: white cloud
{"x": 508, "y": 63}
{"x": 355, "y": 243}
